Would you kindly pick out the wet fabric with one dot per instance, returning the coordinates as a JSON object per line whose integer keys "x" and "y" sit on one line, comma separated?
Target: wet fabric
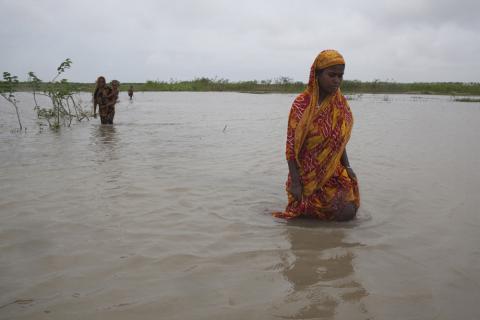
{"x": 316, "y": 139}
{"x": 106, "y": 98}
{"x": 107, "y": 113}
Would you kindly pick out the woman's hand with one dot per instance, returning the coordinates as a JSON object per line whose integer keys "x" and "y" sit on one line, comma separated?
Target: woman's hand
{"x": 296, "y": 189}
{"x": 296, "y": 183}
{"x": 346, "y": 164}
{"x": 351, "y": 174}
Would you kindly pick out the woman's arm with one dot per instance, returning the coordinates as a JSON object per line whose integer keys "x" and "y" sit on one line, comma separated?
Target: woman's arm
{"x": 298, "y": 107}
{"x": 296, "y": 183}
{"x": 344, "y": 161}
{"x": 95, "y": 101}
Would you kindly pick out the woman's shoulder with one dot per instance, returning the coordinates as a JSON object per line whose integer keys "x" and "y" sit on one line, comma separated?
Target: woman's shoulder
{"x": 299, "y": 105}
{"x": 302, "y": 98}
{"x": 301, "y": 101}
{"x": 342, "y": 99}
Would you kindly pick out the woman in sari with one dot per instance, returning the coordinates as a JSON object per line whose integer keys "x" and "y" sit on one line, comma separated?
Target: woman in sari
{"x": 101, "y": 99}
{"x": 321, "y": 184}
{"x": 112, "y": 99}
{"x": 99, "y": 86}
{"x": 105, "y": 97}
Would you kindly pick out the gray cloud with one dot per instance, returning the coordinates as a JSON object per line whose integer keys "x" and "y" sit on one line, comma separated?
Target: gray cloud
{"x": 423, "y": 40}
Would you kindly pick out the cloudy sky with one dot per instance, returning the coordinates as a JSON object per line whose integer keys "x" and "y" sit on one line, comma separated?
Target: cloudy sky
{"x": 400, "y": 40}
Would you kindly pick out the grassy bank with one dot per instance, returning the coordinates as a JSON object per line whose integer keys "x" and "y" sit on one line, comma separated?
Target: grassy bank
{"x": 466, "y": 99}
{"x": 285, "y": 85}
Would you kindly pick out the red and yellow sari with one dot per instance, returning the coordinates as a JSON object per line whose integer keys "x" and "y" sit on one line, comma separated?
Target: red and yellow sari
{"x": 316, "y": 139}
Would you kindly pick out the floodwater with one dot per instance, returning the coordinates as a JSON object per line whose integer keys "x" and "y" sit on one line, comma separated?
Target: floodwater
{"x": 166, "y": 214}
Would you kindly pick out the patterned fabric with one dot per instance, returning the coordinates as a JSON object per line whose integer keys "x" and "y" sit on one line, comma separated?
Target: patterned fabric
{"x": 101, "y": 95}
{"x": 316, "y": 140}
{"x": 107, "y": 112}
{"x": 106, "y": 109}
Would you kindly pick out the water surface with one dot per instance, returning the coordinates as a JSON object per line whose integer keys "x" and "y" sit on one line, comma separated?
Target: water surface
{"x": 166, "y": 214}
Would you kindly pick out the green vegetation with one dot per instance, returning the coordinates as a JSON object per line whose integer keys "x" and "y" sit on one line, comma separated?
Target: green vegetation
{"x": 287, "y": 85}
{"x": 8, "y": 87}
{"x": 64, "y": 105}
{"x": 441, "y": 88}
{"x": 466, "y": 99}
{"x": 282, "y": 85}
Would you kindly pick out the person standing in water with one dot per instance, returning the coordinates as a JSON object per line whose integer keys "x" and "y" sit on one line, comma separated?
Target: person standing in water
{"x": 105, "y": 97}
{"x": 100, "y": 98}
{"x": 111, "y": 99}
{"x": 130, "y": 92}
{"x": 321, "y": 184}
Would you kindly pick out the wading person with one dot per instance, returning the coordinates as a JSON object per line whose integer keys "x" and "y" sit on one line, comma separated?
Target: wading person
{"x": 111, "y": 100}
{"x": 130, "y": 92}
{"x": 100, "y": 99}
{"x": 99, "y": 86}
{"x": 321, "y": 184}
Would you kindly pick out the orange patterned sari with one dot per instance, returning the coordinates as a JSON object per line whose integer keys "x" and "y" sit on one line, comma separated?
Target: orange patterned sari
{"x": 316, "y": 139}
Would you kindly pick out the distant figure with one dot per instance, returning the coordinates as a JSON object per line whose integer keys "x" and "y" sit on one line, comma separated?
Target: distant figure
{"x": 321, "y": 183}
{"x": 130, "y": 92}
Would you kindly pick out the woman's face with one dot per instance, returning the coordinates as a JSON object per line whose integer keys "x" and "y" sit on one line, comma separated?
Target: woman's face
{"x": 101, "y": 82}
{"x": 330, "y": 79}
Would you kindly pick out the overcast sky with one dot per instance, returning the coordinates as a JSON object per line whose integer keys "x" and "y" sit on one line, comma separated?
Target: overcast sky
{"x": 400, "y": 40}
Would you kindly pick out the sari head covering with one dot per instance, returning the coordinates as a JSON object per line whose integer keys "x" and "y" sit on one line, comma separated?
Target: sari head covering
{"x": 97, "y": 88}
{"x": 325, "y": 59}
{"x": 316, "y": 139}
{"x": 98, "y": 80}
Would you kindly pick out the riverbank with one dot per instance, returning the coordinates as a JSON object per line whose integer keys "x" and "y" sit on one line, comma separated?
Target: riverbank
{"x": 286, "y": 85}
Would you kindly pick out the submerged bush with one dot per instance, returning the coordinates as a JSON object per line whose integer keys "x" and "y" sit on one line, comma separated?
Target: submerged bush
{"x": 65, "y": 106}
{"x": 8, "y": 87}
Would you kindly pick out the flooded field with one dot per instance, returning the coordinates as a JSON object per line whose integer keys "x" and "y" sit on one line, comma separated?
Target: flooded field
{"x": 166, "y": 214}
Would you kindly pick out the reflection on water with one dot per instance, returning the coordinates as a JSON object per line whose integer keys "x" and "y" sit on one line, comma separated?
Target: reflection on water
{"x": 104, "y": 134}
{"x": 104, "y": 141}
{"x": 322, "y": 273}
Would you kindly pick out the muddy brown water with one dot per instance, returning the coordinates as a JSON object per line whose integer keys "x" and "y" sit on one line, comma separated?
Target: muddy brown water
{"x": 166, "y": 214}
